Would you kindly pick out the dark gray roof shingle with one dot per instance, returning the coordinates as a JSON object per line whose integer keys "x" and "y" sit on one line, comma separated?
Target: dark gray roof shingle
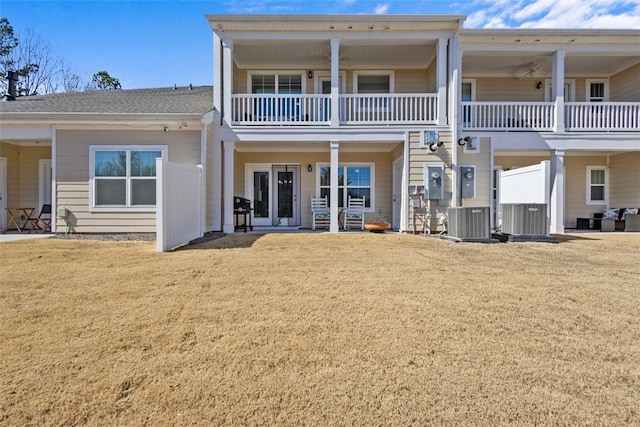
{"x": 181, "y": 100}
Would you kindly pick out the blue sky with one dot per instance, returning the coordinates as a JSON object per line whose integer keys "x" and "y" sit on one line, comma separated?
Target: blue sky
{"x": 161, "y": 43}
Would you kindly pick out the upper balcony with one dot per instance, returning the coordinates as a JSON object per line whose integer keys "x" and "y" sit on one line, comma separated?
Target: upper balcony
{"x": 550, "y": 81}
{"x": 332, "y": 71}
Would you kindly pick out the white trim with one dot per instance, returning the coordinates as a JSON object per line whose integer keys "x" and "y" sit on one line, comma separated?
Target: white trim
{"x": 588, "y": 200}
{"x": 128, "y": 148}
{"x": 276, "y": 74}
{"x": 249, "y": 170}
{"x": 371, "y": 165}
{"x": 476, "y": 148}
{"x": 571, "y": 94}
{"x": 45, "y": 173}
{"x": 319, "y": 75}
{"x": 389, "y": 73}
{"x": 587, "y": 89}
{"x": 396, "y": 215}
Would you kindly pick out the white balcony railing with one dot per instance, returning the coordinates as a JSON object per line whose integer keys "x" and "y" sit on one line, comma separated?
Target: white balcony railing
{"x": 405, "y": 108}
{"x": 373, "y": 109}
{"x": 508, "y": 115}
{"x": 602, "y": 116}
{"x": 253, "y": 109}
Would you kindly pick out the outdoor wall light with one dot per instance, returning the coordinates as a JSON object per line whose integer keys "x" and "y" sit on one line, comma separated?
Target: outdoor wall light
{"x": 539, "y": 85}
{"x": 433, "y": 147}
{"x": 310, "y": 74}
{"x": 464, "y": 140}
{"x": 166, "y": 129}
{"x": 309, "y": 168}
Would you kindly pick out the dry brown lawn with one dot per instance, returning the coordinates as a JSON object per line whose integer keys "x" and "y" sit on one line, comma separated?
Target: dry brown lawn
{"x": 321, "y": 329}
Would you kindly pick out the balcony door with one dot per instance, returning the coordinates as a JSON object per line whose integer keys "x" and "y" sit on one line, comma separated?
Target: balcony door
{"x": 274, "y": 191}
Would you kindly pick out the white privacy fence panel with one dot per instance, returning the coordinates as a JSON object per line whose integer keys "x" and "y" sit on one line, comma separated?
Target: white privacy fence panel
{"x": 180, "y": 201}
{"x": 530, "y": 184}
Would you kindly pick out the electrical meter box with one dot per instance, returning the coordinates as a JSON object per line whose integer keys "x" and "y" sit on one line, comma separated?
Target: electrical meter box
{"x": 467, "y": 182}
{"x": 434, "y": 179}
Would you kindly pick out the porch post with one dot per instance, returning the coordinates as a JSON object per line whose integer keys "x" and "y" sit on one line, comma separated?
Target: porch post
{"x": 441, "y": 81}
{"x": 557, "y": 91}
{"x": 216, "y": 184}
{"x": 335, "y": 82}
{"x": 556, "y": 207}
{"x": 333, "y": 181}
{"x": 227, "y": 85}
{"x": 217, "y": 72}
{"x": 229, "y": 147}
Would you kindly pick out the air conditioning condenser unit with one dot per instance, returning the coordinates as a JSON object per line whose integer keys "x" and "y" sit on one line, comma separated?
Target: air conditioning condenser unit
{"x": 467, "y": 223}
{"x": 524, "y": 219}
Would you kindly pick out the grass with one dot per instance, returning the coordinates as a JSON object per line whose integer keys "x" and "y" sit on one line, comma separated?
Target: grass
{"x": 321, "y": 329}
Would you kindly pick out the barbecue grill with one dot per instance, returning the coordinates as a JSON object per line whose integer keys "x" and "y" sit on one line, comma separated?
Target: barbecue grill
{"x": 242, "y": 207}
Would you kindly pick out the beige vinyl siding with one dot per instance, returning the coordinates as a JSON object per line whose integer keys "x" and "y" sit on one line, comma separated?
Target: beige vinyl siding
{"x": 72, "y": 172}
{"x": 418, "y": 158}
{"x": 625, "y": 86}
{"x": 508, "y": 90}
{"x": 412, "y": 81}
{"x": 624, "y": 177}
{"x": 482, "y": 162}
{"x": 23, "y": 173}
{"x": 239, "y": 80}
{"x": 576, "y": 188}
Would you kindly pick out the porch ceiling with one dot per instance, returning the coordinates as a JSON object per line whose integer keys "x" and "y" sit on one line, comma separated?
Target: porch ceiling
{"x": 488, "y": 64}
{"x": 317, "y": 54}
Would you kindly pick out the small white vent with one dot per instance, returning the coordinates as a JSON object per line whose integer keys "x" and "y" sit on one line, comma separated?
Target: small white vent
{"x": 524, "y": 219}
{"x": 469, "y": 223}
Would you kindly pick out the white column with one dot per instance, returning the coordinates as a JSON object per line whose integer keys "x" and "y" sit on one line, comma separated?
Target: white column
{"x": 556, "y": 207}
{"x": 217, "y": 73}
{"x": 455, "y": 90}
{"x": 441, "y": 81}
{"x": 334, "y": 226}
{"x": 557, "y": 92}
{"x": 227, "y": 76}
{"x": 404, "y": 208}
{"x": 216, "y": 184}
{"x": 335, "y": 82}
{"x": 229, "y": 147}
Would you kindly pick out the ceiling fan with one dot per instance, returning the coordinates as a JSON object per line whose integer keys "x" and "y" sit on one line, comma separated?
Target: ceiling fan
{"x": 534, "y": 70}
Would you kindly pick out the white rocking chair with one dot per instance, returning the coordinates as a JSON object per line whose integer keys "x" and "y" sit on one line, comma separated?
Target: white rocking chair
{"x": 320, "y": 213}
{"x": 354, "y": 216}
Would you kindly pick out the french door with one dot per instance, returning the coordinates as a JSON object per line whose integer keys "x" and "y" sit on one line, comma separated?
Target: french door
{"x": 274, "y": 191}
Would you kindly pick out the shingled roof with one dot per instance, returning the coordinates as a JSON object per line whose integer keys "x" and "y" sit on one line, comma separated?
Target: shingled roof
{"x": 179, "y": 100}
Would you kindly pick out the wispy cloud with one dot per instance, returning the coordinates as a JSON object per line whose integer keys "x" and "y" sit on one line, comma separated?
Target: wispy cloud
{"x": 552, "y": 13}
{"x": 381, "y": 9}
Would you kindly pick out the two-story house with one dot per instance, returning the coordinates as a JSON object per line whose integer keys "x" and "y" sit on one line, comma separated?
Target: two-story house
{"x": 406, "y": 111}
{"x": 352, "y": 105}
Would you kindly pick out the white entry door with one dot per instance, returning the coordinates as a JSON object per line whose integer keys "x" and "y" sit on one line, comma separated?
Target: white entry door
{"x": 274, "y": 191}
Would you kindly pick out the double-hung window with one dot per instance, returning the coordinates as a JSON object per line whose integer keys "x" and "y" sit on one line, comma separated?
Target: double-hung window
{"x": 124, "y": 177}
{"x": 355, "y": 180}
{"x": 279, "y": 106}
{"x": 597, "y": 91}
{"x": 597, "y": 185}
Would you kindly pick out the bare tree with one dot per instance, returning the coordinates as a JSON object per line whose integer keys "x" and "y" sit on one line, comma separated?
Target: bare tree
{"x": 36, "y": 64}
{"x": 73, "y": 82}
